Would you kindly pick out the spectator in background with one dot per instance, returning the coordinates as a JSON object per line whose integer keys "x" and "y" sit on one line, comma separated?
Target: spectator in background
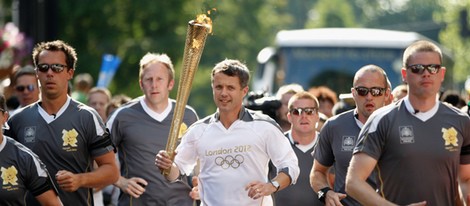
{"x": 82, "y": 84}
{"x": 399, "y": 92}
{"x": 326, "y": 97}
{"x": 284, "y": 93}
{"x": 454, "y": 98}
{"x": 303, "y": 116}
{"x": 116, "y": 102}
{"x": 321, "y": 121}
{"x": 26, "y": 86}
{"x": 340, "y": 133}
{"x": 98, "y": 99}
{"x": 342, "y": 106}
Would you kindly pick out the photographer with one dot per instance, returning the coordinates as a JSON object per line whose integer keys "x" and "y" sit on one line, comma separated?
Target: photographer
{"x": 275, "y": 107}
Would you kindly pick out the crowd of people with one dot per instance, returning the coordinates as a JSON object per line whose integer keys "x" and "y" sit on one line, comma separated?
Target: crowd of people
{"x": 65, "y": 144}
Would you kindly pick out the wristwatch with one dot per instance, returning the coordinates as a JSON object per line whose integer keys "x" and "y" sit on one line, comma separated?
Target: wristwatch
{"x": 322, "y": 194}
{"x": 275, "y": 184}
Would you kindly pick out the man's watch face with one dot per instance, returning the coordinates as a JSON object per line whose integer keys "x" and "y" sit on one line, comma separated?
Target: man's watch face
{"x": 275, "y": 184}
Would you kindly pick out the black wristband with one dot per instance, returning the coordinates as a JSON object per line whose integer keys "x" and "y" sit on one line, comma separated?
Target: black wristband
{"x": 322, "y": 193}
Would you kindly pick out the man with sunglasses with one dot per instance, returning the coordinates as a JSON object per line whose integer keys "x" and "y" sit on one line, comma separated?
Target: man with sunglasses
{"x": 419, "y": 146}
{"x": 67, "y": 135}
{"x": 25, "y": 84}
{"x": 339, "y": 134}
{"x": 303, "y": 117}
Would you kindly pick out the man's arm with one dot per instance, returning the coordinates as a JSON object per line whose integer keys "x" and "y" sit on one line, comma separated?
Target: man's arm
{"x": 164, "y": 162}
{"x": 49, "y": 198}
{"x": 360, "y": 167}
{"x": 134, "y": 186}
{"x": 465, "y": 183}
{"x": 318, "y": 181}
{"x": 257, "y": 189}
{"x": 107, "y": 173}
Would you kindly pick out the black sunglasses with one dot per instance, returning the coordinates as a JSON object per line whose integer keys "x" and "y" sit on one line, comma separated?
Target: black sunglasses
{"x": 419, "y": 68}
{"x": 299, "y": 111}
{"x": 374, "y": 91}
{"x": 57, "y": 68}
{"x": 21, "y": 88}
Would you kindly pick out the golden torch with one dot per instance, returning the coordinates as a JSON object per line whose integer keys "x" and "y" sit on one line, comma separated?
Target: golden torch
{"x": 195, "y": 40}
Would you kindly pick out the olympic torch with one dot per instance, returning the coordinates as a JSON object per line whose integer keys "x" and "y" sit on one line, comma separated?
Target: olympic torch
{"x": 195, "y": 40}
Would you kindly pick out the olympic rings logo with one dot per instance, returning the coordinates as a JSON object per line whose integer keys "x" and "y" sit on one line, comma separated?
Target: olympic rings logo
{"x": 229, "y": 161}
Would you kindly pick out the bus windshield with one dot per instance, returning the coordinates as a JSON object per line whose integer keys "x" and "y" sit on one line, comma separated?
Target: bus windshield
{"x": 331, "y": 56}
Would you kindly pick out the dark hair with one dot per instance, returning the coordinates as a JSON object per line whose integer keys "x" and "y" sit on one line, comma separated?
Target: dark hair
{"x": 324, "y": 93}
{"x": 26, "y": 70}
{"x": 232, "y": 68}
{"x": 57, "y": 45}
{"x": 453, "y": 97}
{"x": 3, "y": 104}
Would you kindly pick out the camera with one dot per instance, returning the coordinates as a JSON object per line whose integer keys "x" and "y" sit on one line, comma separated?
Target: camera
{"x": 262, "y": 101}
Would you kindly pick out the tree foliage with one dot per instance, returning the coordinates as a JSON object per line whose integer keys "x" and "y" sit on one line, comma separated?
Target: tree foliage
{"x": 241, "y": 29}
{"x": 456, "y": 35}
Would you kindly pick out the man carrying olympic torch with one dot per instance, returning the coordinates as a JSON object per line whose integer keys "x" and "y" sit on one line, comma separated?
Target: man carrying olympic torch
{"x": 234, "y": 146}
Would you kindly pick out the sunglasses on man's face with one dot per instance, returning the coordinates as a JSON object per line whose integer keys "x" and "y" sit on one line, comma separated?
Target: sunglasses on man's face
{"x": 57, "y": 68}
{"x": 21, "y": 88}
{"x": 374, "y": 91}
{"x": 419, "y": 68}
{"x": 299, "y": 111}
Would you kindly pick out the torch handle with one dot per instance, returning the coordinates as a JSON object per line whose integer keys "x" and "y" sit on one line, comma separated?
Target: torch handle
{"x": 195, "y": 41}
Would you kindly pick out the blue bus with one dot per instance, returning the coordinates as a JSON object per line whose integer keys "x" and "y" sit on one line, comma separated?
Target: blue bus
{"x": 331, "y": 56}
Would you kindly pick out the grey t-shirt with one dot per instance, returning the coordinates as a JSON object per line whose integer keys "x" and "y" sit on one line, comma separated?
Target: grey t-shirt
{"x": 21, "y": 172}
{"x": 334, "y": 148}
{"x": 68, "y": 142}
{"x": 301, "y": 193}
{"x": 138, "y": 138}
{"x": 417, "y": 160}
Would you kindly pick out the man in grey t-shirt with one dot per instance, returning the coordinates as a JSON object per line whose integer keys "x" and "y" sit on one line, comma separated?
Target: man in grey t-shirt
{"x": 140, "y": 129}
{"x": 419, "y": 146}
{"x": 339, "y": 134}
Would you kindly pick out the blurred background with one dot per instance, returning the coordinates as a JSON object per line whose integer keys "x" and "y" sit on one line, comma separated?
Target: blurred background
{"x": 241, "y": 29}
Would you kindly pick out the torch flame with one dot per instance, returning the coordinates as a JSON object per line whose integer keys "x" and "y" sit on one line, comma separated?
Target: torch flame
{"x": 205, "y": 20}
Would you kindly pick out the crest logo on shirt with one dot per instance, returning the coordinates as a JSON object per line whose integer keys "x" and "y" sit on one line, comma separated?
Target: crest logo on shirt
{"x": 70, "y": 137}
{"x": 9, "y": 175}
{"x": 183, "y": 129}
{"x": 348, "y": 143}
{"x": 30, "y": 134}
{"x": 406, "y": 135}
{"x": 450, "y": 138}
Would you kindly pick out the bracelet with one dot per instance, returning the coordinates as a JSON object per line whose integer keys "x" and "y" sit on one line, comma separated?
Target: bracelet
{"x": 322, "y": 193}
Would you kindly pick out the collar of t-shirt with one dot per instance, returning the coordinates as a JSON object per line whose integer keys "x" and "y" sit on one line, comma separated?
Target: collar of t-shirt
{"x": 303, "y": 148}
{"x": 49, "y": 118}
{"x": 423, "y": 116}
{"x": 4, "y": 142}
{"x": 157, "y": 116}
{"x": 356, "y": 118}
